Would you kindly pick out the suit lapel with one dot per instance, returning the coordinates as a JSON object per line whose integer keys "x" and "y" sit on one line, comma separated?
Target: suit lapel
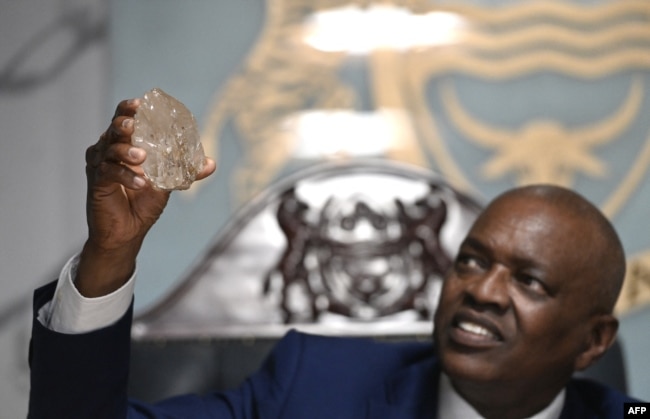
{"x": 576, "y": 406}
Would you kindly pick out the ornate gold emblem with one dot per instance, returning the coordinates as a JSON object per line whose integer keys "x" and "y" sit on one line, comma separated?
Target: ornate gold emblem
{"x": 636, "y": 290}
{"x": 484, "y": 94}
{"x": 544, "y": 150}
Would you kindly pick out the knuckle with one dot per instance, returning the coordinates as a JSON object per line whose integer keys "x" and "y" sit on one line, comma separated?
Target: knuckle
{"x": 89, "y": 153}
{"x": 118, "y": 109}
{"x": 102, "y": 169}
{"x": 94, "y": 155}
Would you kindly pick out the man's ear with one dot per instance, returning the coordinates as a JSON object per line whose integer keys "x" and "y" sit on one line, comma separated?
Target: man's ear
{"x": 602, "y": 333}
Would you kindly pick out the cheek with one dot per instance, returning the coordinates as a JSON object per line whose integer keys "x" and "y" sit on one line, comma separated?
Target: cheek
{"x": 451, "y": 287}
{"x": 546, "y": 327}
{"x": 449, "y": 294}
{"x": 451, "y": 297}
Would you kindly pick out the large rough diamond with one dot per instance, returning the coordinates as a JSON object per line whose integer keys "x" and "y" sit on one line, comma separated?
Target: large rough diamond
{"x": 167, "y": 130}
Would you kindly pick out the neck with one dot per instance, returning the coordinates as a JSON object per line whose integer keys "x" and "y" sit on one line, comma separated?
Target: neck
{"x": 494, "y": 401}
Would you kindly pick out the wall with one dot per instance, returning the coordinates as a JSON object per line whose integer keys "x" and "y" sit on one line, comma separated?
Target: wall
{"x": 50, "y": 111}
{"x": 50, "y": 114}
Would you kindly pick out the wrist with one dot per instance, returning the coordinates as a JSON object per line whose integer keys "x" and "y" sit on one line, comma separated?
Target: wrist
{"x": 103, "y": 271}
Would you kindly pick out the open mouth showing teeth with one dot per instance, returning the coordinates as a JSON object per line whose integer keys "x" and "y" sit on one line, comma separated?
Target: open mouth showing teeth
{"x": 476, "y": 329}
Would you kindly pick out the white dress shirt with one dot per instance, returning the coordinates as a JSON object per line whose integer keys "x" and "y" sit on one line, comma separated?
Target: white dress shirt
{"x": 452, "y": 405}
{"x": 70, "y": 312}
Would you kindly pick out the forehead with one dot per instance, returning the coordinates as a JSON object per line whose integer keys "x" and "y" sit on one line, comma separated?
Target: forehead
{"x": 532, "y": 229}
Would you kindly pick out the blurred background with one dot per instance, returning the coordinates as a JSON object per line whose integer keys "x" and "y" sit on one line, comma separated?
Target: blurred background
{"x": 488, "y": 93}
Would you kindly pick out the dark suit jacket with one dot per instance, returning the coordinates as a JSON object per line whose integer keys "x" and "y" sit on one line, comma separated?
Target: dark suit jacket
{"x": 305, "y": 377}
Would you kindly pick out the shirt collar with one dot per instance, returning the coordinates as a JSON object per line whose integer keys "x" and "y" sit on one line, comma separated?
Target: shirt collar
{"x": 452, "y": 405}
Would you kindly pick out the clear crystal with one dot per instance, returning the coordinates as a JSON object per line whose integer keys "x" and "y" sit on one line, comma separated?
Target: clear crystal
{"x": 168, "y": 132}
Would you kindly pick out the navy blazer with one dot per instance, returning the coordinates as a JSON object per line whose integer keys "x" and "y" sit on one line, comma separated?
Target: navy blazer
{"x": 305, "y": 377}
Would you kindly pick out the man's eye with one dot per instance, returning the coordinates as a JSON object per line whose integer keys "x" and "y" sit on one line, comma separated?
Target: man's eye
{"x": 468, "y": 262}
{"x": 533, "y": 283}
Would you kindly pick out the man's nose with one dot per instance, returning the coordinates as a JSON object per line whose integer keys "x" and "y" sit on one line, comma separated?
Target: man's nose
{"x": 491, "y": 288}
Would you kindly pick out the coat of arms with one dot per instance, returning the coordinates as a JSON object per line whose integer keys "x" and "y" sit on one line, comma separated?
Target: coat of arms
{"x": 489, "y": 95}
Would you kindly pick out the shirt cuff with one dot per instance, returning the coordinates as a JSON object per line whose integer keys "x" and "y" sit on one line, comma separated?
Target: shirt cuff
{"x": 72, "y": 313}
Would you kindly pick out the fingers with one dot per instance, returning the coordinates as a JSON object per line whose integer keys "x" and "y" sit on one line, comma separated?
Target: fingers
{"x": 208, "y": 168}
{"x": 116, "y": 153}
{"x": 125, "y": 153}
{"x": 114, "y": 160}
{"x": 121, "y": 127}
{"x": 117, "y": 163}
{"x": 119, "y": 132}
{"x": 107, "y": 173}
{"x": 127, "y": 108}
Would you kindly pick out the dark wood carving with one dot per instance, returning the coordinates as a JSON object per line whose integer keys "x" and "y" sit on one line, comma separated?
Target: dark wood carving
{"x": 359, "y": 260}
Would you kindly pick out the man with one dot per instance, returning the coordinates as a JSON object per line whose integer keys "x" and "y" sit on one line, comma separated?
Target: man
{"x": 527, "y": 303}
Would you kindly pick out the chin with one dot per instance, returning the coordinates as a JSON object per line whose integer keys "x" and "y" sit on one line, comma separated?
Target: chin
{"x": 463, "y": 366}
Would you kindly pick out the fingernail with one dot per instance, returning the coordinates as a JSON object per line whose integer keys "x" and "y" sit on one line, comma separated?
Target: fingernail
{"x": 136, "y": 153}
{"x": 138, "y": 182}
{"x": 127, "y": 123}
{"x": 133, "y": 101}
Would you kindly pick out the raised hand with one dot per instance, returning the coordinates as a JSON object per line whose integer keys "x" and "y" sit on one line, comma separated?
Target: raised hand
{"x": 121, "y": 206}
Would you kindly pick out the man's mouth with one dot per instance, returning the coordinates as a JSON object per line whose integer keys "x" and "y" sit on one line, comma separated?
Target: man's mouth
{"x": 476, "y": 329}
{"x": 472, "y": 331}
